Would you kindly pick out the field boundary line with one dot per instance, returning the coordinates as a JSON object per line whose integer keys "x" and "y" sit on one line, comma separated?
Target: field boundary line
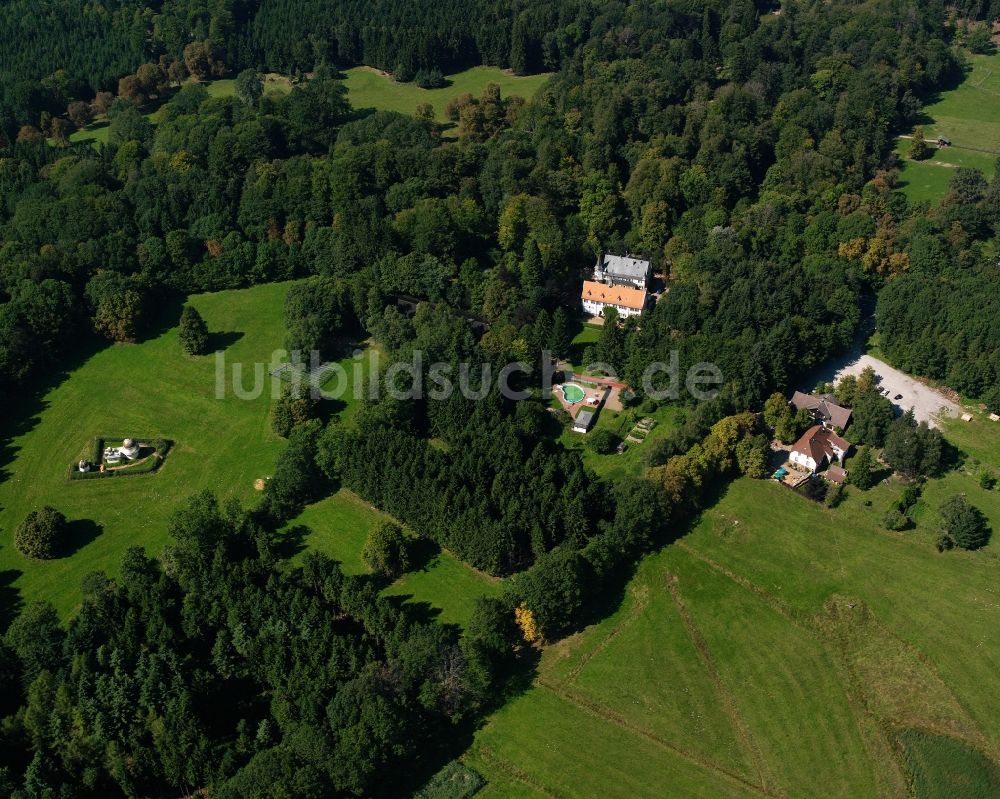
{"x": 512, "y": 771}
{"x": 641, "y": 604}
{"x": 977, "y": 738}
{"x": 607, "y": 714}
{"x": 778, "y": 605}
{"x": 743, "y": 734}
{"x": 846, "y": 677}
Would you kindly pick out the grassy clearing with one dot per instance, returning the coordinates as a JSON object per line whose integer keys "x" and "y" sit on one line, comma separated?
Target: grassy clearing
{"x": 371, "y": 88}
{"x": 338, "y": 527}
{"x": 226, "y": 87}
{"x": 945, "y": 769}
{"x": 448, "y": 586}
{"x": 150, "y": 388}
{"x": 589, "y": 334}
{"x": 968, "y": 115}
{"x": 781, "y": 643}
{"x": 632, "y": 462}
{"x": 928, "y": 180}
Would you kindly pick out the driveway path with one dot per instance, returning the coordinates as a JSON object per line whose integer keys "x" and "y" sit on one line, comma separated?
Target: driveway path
{"x": 927, "y": 403}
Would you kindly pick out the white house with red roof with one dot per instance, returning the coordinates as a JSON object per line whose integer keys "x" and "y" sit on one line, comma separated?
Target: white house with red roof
{"x": 818, "y": 447}
{"x": 598, "y": 297}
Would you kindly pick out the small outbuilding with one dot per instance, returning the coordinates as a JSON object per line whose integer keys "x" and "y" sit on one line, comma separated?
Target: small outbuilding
{"x": 836, "y": 474}
{"x": 130, "y": 449}
{"x": 583, "y": 422}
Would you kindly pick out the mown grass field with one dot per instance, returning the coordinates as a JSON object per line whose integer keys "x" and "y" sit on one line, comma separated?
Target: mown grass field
{"x": 225, "y": 445}
{"x": 339, "y": 525}
{"x": 779, "y": 648}
{"x": 372, "y": 88}
{"x": 968, "y": 115}
{"x": 150, "y": 388}
{"x": 369, "y": 88}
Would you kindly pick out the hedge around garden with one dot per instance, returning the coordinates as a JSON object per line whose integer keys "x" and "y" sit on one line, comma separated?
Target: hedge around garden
{"x": 161, "y": 445}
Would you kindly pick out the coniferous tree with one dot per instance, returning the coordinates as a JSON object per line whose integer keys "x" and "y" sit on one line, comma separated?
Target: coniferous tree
{"x": 862, "y": 472}
{"x": 193, "y": 332}
{"x": 964, "y": 524}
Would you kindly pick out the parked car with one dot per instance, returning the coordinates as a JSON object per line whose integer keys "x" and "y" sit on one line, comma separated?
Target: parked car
{"x": 898, "y": 397}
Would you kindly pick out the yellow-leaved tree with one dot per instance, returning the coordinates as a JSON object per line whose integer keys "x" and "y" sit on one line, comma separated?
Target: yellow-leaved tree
{"x": 525, "y": 619}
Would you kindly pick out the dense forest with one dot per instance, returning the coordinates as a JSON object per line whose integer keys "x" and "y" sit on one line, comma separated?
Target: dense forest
{"x": 743, "y": 150}
{"x": 940, "y": 318}
{"x": 212, "y": 668}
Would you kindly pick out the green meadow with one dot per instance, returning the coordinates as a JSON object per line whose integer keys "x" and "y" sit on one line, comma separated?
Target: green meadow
{"x": 779, "y": 648}
{"x": 372, "y": 88}
{"x": 152, "y": 389}
{"x": 149, "y": 389}
{"x": 339, "y": 525}
{"x": 968, "y": 115}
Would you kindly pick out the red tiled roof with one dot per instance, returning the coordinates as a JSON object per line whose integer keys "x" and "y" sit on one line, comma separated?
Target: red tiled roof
{"x": 818, "y": 443}
{"x": 613, "y": 295}
{"x": 835, "y": 474}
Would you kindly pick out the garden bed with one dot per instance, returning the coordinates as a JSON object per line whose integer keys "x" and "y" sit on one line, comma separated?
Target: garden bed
{"x": 153, "y": 451}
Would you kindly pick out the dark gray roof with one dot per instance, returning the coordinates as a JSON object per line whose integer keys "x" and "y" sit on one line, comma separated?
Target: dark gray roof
{"x": 828, "y": 410}
{"x": 584, "y": 419}
{"x": 625, "y": 266}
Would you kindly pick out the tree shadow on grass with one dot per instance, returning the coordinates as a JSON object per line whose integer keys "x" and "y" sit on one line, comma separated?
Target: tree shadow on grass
{"x": 292, "y": 540}
{"x": 79, "y": 533}
{"x": 23, "y": 406}
{"x": 223, "y": 340}
{"x": 10, "y": 598}
{"x": 166, "y": 317}
{"x": 423, "y": 554}
{"x": 419, "y": 611}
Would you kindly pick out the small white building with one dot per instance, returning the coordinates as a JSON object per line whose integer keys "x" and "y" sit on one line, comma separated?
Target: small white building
{"x": 130, "y": 449}
{"x": 583, "y": 422}
{"x": 622, "y": 270}
{"x": 598, "y": 297}
{"x": 818, "y": 446}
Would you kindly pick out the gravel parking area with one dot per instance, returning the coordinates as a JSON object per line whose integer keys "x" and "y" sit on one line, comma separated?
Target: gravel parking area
{"x": 927, "y": 403}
